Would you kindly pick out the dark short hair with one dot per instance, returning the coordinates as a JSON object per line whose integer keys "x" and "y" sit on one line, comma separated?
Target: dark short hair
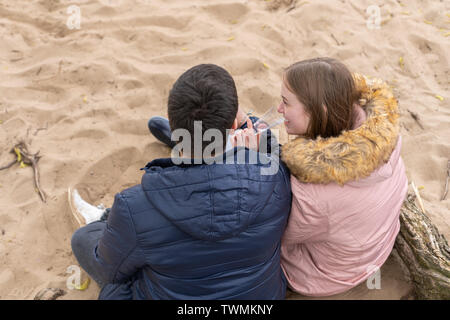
{"x": 204, "y": 93}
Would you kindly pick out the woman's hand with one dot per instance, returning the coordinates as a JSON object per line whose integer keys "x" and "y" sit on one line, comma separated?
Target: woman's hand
{"x": 248, "y": 137}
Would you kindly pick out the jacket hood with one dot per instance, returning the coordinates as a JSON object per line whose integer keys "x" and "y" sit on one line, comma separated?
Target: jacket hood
{"x": 356, "y": 153}
{"x": 209, "y": 201}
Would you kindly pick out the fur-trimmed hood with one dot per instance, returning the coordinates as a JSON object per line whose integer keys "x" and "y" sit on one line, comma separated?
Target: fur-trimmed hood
{"x": 354, "y": 154}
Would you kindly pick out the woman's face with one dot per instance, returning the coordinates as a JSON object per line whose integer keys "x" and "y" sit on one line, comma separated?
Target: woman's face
{"x": 296, "y": 119}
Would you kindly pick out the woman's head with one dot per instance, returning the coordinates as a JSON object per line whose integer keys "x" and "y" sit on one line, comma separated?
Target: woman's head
{"x": 317, "y": 98}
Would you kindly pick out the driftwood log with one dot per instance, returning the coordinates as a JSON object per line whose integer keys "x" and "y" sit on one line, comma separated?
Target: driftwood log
{"x": 424, "y": 253}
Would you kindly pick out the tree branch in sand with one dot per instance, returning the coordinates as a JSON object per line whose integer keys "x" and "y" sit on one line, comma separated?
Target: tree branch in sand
{"x": 424, "y": 253}
{"x": 25, "y": 157}
{"x": 8, "y": 165}
{"x": 32, "y": 159}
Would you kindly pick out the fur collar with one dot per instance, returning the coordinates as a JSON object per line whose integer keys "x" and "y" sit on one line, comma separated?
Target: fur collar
{"x": 355, "y": 154}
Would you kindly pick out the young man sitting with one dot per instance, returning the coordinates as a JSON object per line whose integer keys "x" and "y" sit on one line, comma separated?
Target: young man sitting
{"x": 196, "y": 229}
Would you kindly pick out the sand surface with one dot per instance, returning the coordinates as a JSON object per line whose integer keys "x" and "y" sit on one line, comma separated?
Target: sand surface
{"x": 82, "y": 98}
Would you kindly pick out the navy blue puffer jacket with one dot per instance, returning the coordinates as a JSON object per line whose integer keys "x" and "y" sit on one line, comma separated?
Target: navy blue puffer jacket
{"x": 197, "y": 231}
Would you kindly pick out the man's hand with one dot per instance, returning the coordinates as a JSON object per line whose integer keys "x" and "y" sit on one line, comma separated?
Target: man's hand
{"x": 248, "y": 137}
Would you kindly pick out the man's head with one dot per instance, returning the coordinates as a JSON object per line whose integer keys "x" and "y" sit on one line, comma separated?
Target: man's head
{"x": 204, "y": 93}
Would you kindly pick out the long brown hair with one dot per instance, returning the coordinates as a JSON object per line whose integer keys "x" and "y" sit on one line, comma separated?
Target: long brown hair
{"x": 319, "y": 83}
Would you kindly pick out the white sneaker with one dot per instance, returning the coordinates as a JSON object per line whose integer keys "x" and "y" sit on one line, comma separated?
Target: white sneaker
{"x": 83, "y": 212}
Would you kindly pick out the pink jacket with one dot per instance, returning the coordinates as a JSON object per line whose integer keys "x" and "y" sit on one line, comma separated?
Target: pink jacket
{"x": 347, "y": 193}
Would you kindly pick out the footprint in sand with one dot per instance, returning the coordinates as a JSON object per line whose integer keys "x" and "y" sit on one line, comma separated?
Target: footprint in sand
{"x": 110, "y": 174}
{"x": 227, "y": 12}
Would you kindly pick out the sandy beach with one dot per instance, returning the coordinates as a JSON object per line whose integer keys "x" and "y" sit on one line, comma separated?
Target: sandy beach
{"x": 82, "y": 98}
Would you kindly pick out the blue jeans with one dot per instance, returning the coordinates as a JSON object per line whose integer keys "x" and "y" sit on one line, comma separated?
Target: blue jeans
{"x": 84, "y": 243}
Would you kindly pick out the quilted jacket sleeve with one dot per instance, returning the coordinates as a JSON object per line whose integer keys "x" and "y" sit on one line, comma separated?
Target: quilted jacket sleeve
{"x": 308, "y": 220}
{"x": 118, "y": 254}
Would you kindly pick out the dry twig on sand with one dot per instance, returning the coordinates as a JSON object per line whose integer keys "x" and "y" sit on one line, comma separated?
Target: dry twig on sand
{"x": 276, "y": 4}
{"x": 8, "y": 165}
{"x": 49, "y": 294}
{"x": 39, "y": 129}
{"x": 27, "y": 158}
{"x": 51, "y": 77}
{"x": 292, "y": 7}
{"x": 415, "y": 116}
{"x": 337, "y": 41}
